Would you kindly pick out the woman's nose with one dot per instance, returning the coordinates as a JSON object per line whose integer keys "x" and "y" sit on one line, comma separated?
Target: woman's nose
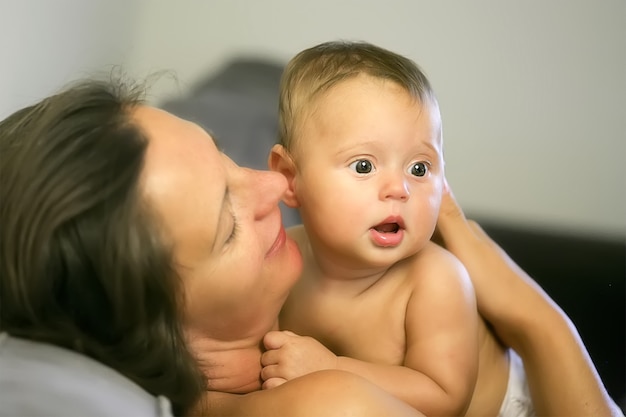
{"x": 395, "y": 187}
{"x": 267, "y": 188}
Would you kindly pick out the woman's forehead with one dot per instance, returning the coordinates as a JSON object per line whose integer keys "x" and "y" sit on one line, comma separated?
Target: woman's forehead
{"x": 163, "y": 127}
{"x": 175, "y": 141}
{"x": 182, "y": 163}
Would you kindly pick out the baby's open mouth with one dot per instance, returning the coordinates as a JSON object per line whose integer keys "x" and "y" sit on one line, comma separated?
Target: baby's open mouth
{"x": 389, "y": 233}
{"x": 387, "y": 228}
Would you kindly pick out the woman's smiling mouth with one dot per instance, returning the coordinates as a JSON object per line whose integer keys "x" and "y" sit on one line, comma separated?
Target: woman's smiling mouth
{"x": 278, "y": 243}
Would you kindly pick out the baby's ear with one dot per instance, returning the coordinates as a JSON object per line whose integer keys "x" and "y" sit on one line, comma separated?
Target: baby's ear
{"x": 280, "y": 161}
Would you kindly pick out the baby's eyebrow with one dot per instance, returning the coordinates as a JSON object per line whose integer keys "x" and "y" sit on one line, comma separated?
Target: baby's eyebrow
{"x": 431, "y": 147}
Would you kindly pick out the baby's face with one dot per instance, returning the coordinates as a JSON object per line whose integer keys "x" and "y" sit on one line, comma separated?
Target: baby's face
{"x": 370, "y": 173}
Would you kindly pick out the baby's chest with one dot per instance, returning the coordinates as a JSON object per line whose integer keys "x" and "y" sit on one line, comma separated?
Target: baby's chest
{"x": 373, "y": 332}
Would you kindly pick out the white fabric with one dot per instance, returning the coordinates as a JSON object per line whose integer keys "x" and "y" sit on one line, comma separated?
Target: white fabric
{"x": 517, "y": 401}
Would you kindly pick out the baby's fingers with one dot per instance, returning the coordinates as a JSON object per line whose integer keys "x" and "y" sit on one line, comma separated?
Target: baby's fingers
{"x": 270, "y": 357}
{"x": 452, "y": 225}
{"x": 270, "y": 372}
{"x": 276, "y": 339}
{"x": 273, "y": 383}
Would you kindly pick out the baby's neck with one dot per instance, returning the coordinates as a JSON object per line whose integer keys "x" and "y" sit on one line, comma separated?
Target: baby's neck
{"x": 338, "y": 276}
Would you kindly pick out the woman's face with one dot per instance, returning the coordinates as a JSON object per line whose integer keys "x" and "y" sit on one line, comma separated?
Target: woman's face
{"x": 230, "y": 248}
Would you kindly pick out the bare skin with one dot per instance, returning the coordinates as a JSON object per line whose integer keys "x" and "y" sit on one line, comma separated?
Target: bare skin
{"x": 323, "y": 393}
{"x": 383, "y": 343}
{"x": 237, "y": 266}
{"x": 528, "y": 320}
{"x": 493, "y": 374}
{"x": 523, "y": 316}
{"x": 385, "y": 303}
{"x": 376, "y": 323}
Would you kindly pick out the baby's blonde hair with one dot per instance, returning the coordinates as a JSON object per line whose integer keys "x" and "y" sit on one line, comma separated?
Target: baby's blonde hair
{"x": 315, "y": 70}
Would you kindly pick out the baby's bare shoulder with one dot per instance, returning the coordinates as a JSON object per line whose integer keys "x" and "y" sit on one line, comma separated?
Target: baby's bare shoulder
{"x": 434, "y": 256}
{"x": 437, "y": 264}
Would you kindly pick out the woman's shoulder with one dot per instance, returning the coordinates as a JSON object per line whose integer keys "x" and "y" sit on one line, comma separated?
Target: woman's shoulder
{"x": 42, "y": 379}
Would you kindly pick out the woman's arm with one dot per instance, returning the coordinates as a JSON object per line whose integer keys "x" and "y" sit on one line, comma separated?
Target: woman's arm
{"x": 562, "y": 378}
{"x": 323, "y": 393}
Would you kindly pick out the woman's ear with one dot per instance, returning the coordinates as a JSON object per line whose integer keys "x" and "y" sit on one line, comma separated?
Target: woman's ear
{"x": 280, "y": 161}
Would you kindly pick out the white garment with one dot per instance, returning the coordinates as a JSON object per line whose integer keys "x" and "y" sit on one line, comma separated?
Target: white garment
{"x": 517, "y": 401}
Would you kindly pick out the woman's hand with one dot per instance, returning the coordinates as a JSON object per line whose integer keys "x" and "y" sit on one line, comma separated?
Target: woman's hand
{"x": 561, "y": 376}
{"x": 504, "y": 292}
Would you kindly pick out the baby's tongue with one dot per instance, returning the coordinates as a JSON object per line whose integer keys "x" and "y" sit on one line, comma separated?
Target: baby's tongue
{"x": 386, "y": 228}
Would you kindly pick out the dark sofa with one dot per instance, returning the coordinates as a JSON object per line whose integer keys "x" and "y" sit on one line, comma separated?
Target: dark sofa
{"x": 585, "y": 275}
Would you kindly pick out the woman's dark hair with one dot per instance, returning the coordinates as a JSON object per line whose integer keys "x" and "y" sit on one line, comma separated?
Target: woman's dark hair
{"x": 82, "y": 262}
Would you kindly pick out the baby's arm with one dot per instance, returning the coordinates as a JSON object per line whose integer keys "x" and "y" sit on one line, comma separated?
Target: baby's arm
{"x": 442, "y": 336}
{"x": 441, "y": 358}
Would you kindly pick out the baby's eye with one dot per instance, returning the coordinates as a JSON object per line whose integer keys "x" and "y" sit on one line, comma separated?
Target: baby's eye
{"x": 362, "y": 166}
{"x": 419, "y": 169}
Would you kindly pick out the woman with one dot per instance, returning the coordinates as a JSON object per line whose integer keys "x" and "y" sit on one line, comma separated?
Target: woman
{"x": 134, "y": 254}
{"x": 152, "y": 265}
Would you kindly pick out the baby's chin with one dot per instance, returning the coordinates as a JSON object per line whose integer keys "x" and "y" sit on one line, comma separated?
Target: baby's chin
{"x": 374, "y": 256}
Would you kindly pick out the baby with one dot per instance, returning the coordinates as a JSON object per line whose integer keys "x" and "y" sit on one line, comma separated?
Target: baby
{"x": 361, "y": 146}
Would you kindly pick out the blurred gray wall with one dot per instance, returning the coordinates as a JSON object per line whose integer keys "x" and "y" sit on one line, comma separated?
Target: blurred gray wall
{"x": 533, "y": 93}
{"x": 44, "y": 44}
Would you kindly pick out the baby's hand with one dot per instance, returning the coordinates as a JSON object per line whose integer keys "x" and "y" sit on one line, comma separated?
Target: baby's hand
{"x": 289, "y": 356}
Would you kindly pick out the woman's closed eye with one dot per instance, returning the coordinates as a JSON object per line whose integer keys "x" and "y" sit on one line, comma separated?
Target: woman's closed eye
{"x": 234, "y": 230}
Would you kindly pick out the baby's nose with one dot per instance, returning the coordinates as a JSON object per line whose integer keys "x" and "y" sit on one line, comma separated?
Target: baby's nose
{"x": 395, "y": 187}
